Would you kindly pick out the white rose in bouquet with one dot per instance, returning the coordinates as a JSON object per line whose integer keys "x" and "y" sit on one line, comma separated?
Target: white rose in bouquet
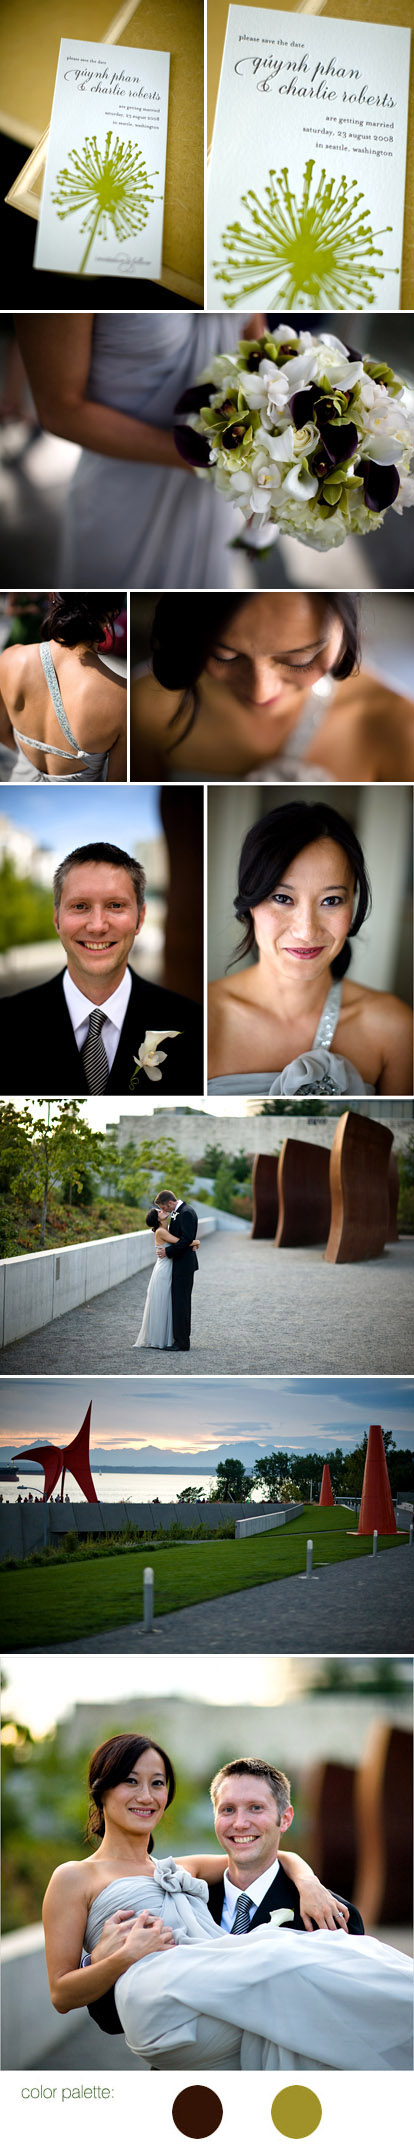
{"x": 304, "y": 435}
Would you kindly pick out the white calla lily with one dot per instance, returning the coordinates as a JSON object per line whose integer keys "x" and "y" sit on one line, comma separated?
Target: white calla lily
{"x": 301, "y": 370}
{"x": 149, "y": 1058}
{"x": 301, "y": 483}
{"x": 381, "y": 449}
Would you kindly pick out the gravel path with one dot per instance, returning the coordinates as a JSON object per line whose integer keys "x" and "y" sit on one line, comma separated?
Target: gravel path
{"x": 254, "y": 1310}
{"x": 363, "y": 1605}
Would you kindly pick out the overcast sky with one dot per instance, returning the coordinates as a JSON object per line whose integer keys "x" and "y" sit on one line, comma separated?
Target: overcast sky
{"x": 298, "y": 1413}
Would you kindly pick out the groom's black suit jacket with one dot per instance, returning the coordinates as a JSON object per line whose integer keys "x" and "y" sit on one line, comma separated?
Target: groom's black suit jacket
{"x": 183, "y": 1228}
{"x": 40, "y": 1053}
{"x": 282, "y": 1893}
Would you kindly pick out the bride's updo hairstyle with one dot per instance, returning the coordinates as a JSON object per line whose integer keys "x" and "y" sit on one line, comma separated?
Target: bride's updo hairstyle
{"x": 186, "y": 630}
{"x": 75, "y": 616}
{"x": 267, "y": 852}
{"x": 111, "y": 1764}
{"x": 152, "y": 1218}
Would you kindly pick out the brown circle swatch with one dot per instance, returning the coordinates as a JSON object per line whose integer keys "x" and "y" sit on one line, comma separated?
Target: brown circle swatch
{"x": 197, "y": 2111}
{"x": 296, "y": 2111}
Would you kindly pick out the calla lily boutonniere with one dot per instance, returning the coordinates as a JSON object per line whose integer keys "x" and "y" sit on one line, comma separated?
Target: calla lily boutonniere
{"x": 282, "y": 1917}
{"x": 148, "y": 1059}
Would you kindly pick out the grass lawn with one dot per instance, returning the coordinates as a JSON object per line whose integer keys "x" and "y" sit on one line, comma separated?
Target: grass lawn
{"x": 38, "y": 1607}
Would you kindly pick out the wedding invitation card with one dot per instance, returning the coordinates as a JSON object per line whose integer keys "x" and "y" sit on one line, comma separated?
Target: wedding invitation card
{"x": 306, "y": 195}
{"x": 103, "y": 195}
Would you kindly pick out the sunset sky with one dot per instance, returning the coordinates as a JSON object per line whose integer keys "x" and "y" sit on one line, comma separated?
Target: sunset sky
{"x": 128, "y": 1413}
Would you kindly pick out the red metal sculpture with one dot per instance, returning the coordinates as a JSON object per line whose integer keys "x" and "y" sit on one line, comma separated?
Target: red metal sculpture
{"x": 376, "y": 1511}
{"x": 74, "y": 1458}
{"x": 326, "y": 1499}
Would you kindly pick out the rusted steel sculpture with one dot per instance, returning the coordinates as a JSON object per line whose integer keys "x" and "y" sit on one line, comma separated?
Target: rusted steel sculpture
{"x": 265, "y": 1197}
{"x": 74, "y": 1458}
{"x": 393, "y": 1193}
{"x": 359, "y": 1189}
{"x": 304, "y": 1197}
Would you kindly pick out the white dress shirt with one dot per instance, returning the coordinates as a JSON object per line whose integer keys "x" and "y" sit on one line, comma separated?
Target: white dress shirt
{"x": 114, "y": 1010}
{"x": 256, "y": 1889}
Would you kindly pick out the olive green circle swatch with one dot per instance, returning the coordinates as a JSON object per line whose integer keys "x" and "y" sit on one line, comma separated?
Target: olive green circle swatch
{"x": 197, "y": 2112}
{"x": 296, "y": 2111}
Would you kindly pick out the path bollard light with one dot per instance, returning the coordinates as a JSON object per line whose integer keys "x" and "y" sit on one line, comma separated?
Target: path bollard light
{"x": 148, "y": 1600}
{"x": 374, "y": 1544}
{"x": 411, "y": 1530}
{"x": 309, "y": 1552}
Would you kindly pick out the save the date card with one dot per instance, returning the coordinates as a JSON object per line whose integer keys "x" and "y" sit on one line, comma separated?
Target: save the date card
{"x": 103, "y": 196}
{"x": 306, "y": 196}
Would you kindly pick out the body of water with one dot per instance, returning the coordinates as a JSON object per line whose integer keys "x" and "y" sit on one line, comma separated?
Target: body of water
{"x": 117, "y": 1485}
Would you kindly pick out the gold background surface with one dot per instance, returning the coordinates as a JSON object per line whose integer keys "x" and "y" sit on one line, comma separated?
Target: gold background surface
{"x": 399, "y": 12}
{"x": 30, "y": 33}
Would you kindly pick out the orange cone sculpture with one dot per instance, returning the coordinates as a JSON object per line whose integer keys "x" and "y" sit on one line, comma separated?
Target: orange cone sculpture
{"x": 326, "y": 1499}
{"x": 376, "y": 1511}
{"x": 74, "y": 1458}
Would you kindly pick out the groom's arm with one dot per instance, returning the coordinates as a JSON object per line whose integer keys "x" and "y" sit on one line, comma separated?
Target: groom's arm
{"x": 188, "y": 1229}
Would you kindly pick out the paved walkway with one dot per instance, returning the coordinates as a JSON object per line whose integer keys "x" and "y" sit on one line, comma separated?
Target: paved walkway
{"x": 254, "y": 1310}
{"x": 363, "y": 1605}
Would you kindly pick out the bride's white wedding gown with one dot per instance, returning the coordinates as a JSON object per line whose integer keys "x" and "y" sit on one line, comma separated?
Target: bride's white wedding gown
{"x": 156, "y": 1330}
{"x": 265, "y": 2000}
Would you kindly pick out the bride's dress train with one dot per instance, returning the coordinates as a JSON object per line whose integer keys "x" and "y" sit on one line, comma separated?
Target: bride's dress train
{"x": 156, "y": 1330}
{"x": 295, "y": 2000}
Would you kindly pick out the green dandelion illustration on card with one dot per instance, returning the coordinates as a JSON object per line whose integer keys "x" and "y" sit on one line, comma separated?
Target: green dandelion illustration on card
{"x": 318, "y": 251}
{"x": 112, "y": 185}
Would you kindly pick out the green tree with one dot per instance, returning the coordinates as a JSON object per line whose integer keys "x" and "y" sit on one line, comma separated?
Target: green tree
{"x": 213, "y": 1157}
{"x": 145, "y": 1168}
{"x": 26, "y": 909}
{"x": 16, "y": 1127}
{"x": 223, "y": 1185}
{"x": 191, "y": 1494}
{"x": 241, "y": 1166}
{"x": 61, "y": 1147}
{"x": 269, "y": 1473}
{"x": 233, "y": 1482}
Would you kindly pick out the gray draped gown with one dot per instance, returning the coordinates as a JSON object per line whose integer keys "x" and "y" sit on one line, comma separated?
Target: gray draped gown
{"x": 140, "y": 524}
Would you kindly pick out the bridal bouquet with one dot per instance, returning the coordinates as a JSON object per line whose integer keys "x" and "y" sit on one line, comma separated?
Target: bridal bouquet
{"x": 304, "y": 435}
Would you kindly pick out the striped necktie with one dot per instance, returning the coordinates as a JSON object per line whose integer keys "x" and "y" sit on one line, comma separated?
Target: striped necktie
{"x": 242, "y": 1919}
{"x": 94, "y": 1057}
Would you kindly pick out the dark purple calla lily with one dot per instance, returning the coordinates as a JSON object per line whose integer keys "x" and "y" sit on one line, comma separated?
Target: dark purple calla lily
{"x": 192, "y": 446}
{"x": 381, "y": 484}
{"x": 195, "y": 398}
{"x": 301, "y": 406}
{"x": 339, "y": 443}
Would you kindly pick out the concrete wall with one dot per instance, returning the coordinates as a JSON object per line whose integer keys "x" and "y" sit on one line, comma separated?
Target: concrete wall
{"x": 30, "y": 2026}
{"x": 37, "y": 1288}
{"x": 251, "y": 1525}
{"x": 25, "y": 1529}
{"x": 253, "y": 1131}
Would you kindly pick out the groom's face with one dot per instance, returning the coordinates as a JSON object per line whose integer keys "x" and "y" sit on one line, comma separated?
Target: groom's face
{"x": 97, "y": 923}
{"x": 247, "y": 1823}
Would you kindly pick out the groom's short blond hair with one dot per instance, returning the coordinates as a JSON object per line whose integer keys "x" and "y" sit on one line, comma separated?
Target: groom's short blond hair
{"x": 250, "y": 1766}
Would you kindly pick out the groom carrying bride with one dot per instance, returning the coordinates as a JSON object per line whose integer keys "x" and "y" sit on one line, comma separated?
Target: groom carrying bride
{"x": 252, "y": 1811}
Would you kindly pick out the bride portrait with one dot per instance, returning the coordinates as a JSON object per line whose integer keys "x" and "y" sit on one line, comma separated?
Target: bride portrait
{"x": 135, "y": 1934}
{"x": 292, "y": 1024}
{"x": 63, "y": 709}
{"x": 269, "y": 686}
